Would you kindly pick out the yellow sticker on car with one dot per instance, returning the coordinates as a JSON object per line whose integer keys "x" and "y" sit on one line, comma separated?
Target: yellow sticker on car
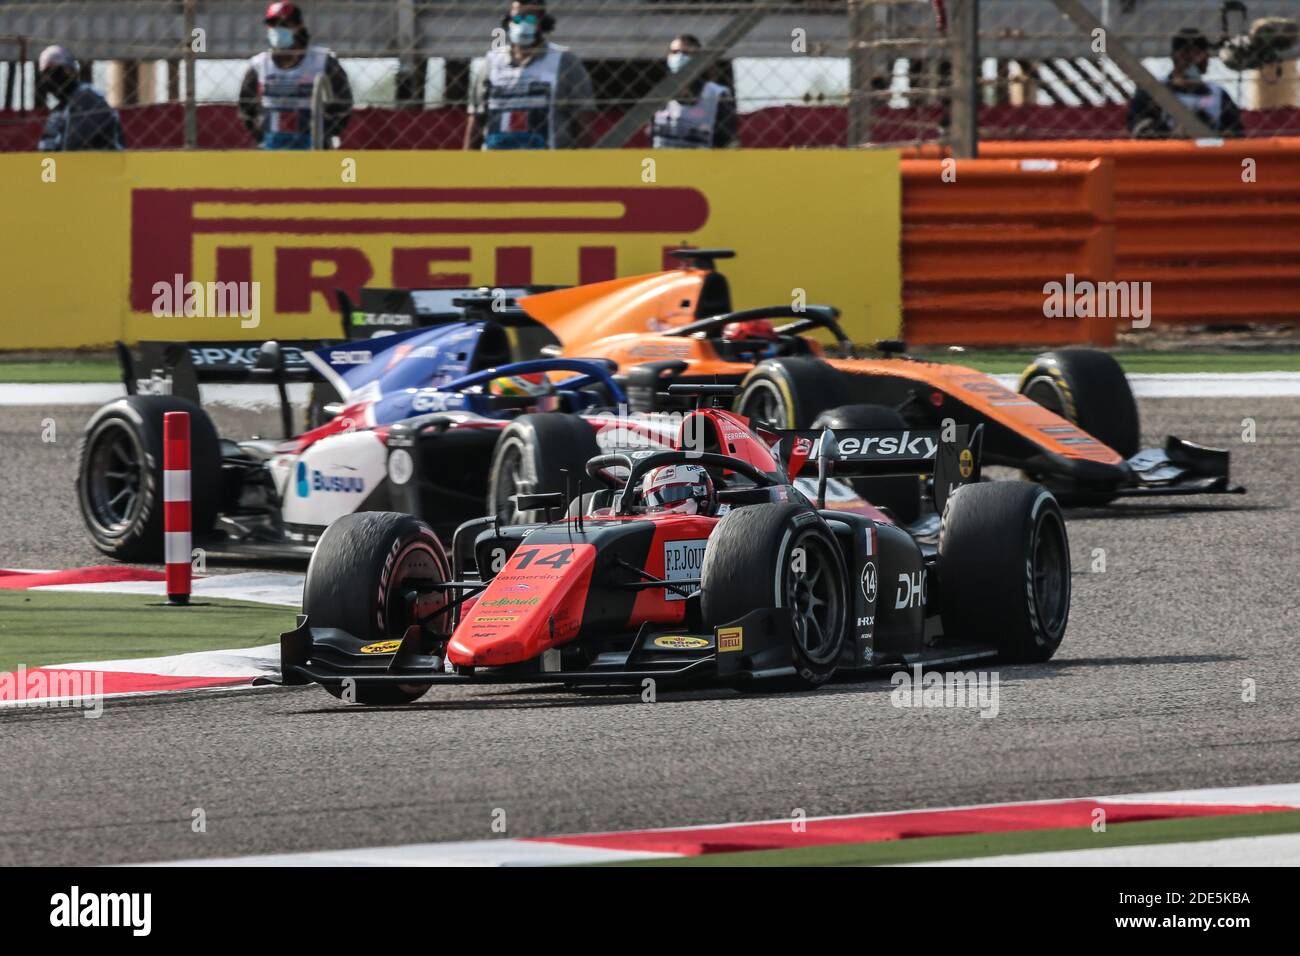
{"x": 382, "y": 647}
{"x": 680, "y": 642}
{"x": 965, "y": 463}
{"x": 731, "y": 639}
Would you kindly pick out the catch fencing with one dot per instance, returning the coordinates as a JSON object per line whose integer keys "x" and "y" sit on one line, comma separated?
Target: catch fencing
{"x": 817, "y": 73}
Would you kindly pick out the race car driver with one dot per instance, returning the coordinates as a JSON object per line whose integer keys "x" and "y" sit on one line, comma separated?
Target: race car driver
{"x": 275, "y": 97}
{"x": 756, "y": 339}
{"x": 679, "y": 489}
{"x": 530, "y": 93}
{"x": 535, "y": 387}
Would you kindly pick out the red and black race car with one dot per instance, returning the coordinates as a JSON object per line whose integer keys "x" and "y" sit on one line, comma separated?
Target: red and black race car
{"x": 700, "y": 562}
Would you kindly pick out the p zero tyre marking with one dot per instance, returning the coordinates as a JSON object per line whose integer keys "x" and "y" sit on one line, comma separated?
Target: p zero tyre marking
{"x": 416, "y": 560}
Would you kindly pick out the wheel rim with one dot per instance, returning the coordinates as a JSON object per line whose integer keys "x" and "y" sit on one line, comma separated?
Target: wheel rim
{"x": 115, "y": 479}
{"x": 1051, "y": 574}
{"x": 762, "y": 400}
{"x": 416, "y": 563}
{"x": 511, "y": 481}
{"x": 816, "y": 599}
{"x": 1044, "y": 391}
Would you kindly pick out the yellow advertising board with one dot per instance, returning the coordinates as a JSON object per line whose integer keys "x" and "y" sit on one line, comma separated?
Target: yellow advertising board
{"x": 101, "y": 246}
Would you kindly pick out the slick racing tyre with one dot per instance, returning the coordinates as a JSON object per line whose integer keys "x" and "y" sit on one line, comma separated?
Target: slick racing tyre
{"x": 790, "y": 392}
{"x": 902, "y": 496}
{"x": 1088, "y": 388}
{"x": 782, "y": 556}
{"x": 1004, "y": 568}
{"x": 530, "y": 458}
{"x": 357, "y": 579}
{"x": 120, "y": 473}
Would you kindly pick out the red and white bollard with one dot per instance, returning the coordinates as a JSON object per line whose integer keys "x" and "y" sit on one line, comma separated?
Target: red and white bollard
{"x": 176, "y": 505}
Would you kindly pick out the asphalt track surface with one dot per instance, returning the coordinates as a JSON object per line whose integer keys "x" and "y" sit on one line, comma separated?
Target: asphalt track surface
{"x": 1145, "y": 694}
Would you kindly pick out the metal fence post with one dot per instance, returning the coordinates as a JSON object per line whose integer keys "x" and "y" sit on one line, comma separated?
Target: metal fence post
{"x": 191, "y": 107}
{"x": 861, "y": 71}
{"x": 963, "y": 31}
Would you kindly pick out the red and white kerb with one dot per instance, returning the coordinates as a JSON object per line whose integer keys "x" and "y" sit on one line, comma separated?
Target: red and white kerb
{"x": 176, "y": 505}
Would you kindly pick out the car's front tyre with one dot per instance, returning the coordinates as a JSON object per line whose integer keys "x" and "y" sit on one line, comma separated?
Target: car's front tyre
{"x": 781, "y": 556}
{"x": 360, "y": 573}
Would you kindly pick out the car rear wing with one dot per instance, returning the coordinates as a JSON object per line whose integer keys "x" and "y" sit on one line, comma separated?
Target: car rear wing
{"x": 379, "y": 311}
{"x": 179, "y": 368}
{"x": 952, "y": 457}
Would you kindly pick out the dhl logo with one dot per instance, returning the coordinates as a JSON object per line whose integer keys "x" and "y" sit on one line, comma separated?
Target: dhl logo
{"x": 165, "y": 224}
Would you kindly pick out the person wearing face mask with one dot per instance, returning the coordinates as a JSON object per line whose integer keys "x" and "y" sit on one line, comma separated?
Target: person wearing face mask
{"x": 703, "y": 116}
{"x": 1209, "y": 101}
{"x": 81, "y": 118}
{"x": 530, "y": 93}
{"x": 275, "y": 97}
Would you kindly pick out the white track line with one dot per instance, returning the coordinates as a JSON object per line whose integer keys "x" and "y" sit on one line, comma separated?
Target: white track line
{"x": 253, "y": 397}
{"x": 250, "y": 662}
{"x": 1145, "y": 385}
{"x": 1203, "y": 384}
{"x": 473, "y": 853}
{"x": 281, "y": 588}
{"x": 1279, "y": 850}
{"x": 542, "y": 853}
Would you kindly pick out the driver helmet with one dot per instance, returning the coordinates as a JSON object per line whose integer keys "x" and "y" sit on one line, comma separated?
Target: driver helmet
{"x": 534, "y": 385}
{"x": 679, "y": 489}
{"x": 749, "y": 329}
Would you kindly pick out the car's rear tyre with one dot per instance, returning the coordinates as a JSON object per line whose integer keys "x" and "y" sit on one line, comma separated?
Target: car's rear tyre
{"x": 119, "y": 475}
{"x": 751, "y": 562}
{"x": 355, "y": 583}
{"x": 902, "y": 496}
{"x": 1004, "y": 568}
{"x": 530, "y": 458}
{"x": 790, "y": 392}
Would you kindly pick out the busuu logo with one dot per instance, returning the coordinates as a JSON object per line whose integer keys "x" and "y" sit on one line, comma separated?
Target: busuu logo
{"x": 310, "y": 479}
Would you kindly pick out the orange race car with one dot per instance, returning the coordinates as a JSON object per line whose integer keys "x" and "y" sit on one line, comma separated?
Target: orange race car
{"x": 1072, "y": 425}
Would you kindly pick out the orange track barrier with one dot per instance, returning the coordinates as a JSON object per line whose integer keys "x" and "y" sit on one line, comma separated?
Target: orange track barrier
{"x": 978, "y": 250}
{"x": 1216, "y": 246}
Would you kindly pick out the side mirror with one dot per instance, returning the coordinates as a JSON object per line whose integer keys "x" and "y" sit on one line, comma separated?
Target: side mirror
{"x": 270, "y": 358}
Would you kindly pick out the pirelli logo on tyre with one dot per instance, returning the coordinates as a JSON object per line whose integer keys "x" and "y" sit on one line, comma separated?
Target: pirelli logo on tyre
{"x": 731, "y": 639}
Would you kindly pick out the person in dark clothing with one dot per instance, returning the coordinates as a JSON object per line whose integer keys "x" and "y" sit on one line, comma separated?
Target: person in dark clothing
{"x": 82, "y": 119}
{"x": 1209, "y": 101}
{"x": 277, "y": 94}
